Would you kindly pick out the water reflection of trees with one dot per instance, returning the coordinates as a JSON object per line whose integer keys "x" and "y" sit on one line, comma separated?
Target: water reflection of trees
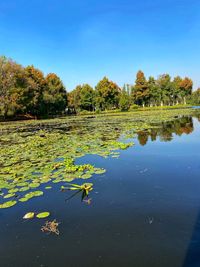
{"x": 166, "y": 130}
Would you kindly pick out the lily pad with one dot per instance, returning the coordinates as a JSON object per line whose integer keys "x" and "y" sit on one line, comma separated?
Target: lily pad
{"x": 9, "y": 195}
{"x": 31, "y": 195}
{"x": 100, "y": 171}
{"x": 23, "y": 189}
{"x": 29, "y": 215}
{"x": 8, "y": 204}
{"x": 14, "y": 190}
{"x": 43, "y": 215}
{"x": 28, "y": 159}
{"x": 48, "y": 187}
{"x": 34, "y": 185}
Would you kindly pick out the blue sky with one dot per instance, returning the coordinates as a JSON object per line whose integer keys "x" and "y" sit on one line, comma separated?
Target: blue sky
{"x": 84, "y": 40}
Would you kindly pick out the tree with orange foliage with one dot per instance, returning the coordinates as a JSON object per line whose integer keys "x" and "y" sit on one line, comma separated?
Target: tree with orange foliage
{"x": 140, "y": 92}
{"x": 186, "y": 88}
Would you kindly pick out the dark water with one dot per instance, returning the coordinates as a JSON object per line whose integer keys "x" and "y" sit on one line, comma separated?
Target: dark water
{"x": 145, "y": 210}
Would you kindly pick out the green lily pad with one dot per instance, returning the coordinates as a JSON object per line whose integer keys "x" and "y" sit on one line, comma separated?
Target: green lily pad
{"x": 86, "y": 176}
{"x": 14, "y": 190}
{"x": 22, "y": 184}
{"x": 8, "y": 204}
{"x": 57, "y": 181}
{"x": 28, "y": 159}
{"x": 9, "y": 195}
{"x": 48, "y": 187}
{"x": 34, "y": 185}
{"x": 23, "y": 189}
{"x": 43, "y": 215}
{"x": 31, "y": 195}
{"x": 100, "y": 171}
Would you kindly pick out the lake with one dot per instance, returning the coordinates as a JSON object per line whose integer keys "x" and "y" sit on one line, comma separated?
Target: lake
{"x": 144, "y": 211}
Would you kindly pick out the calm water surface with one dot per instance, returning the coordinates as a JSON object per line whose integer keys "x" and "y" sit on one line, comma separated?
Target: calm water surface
{"x": 145, "y": 211}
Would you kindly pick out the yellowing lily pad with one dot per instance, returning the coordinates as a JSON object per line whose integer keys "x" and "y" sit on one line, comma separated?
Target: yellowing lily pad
{"x": 29, "y": 215}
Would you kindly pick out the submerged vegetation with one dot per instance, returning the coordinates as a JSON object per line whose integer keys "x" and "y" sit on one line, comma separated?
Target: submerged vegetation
{"x": 37, "y": 153}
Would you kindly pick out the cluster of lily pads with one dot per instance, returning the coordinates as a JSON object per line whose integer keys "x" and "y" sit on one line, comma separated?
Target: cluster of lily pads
{"x": 31, "y": 215}
{"x": 45, "y": 152}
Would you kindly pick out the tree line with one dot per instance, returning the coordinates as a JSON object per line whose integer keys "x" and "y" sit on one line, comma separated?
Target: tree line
{"x": 26, "y": 91}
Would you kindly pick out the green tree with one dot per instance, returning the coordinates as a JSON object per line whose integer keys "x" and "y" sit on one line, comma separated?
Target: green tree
{"x": 165, "y": 85}
{"x": 25, "y": 91}
{"x": 54, "y": 95}
{"x": 195, "y": 97}
{"x": 87, "y": 97}
{"x": 124, "y": 101}
{"x": 154, "y": 92}
{"x": 81, "y": 98}
{"x": 74, "y": 100}
{"x": 107, "y": 94}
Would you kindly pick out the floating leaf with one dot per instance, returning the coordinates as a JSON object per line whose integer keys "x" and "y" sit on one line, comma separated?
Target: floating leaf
{"x": 34, "y": 185}
{"x": 48, "y": 187}
{"x": 31, "y": 195}
{"x": 43, "y": 215}
{"x": 29, "y": 215}
{"x": 8, "y": 204}
{"x": 30, "y": 157}
{"x": 86, "y": 176}
{"x": 3, "y": 184}
{"x": 23, "y": 189}
{"x": 100, "y": 171}
{"x": 22, "y": 184}
{"x": 14, "y": 190}
{"x": 9, "y": 195}
{"x": 57, "y": 181}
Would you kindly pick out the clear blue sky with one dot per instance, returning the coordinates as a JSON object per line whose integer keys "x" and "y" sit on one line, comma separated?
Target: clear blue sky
{"x": 84, "y": 40}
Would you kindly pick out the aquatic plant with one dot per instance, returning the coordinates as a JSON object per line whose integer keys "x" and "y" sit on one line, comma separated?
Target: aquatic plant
{"x": 35, "y": 153}
{"x": 51, "y": 227}
{"x": 42, "y": 215}
{"x": 84, "y": 189}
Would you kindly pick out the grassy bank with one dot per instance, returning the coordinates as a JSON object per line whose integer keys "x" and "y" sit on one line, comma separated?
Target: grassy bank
{"x": 135, "y": 108}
